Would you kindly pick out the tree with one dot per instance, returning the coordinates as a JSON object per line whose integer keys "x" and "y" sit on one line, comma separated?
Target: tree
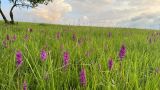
{"x": 21, "y": 3}
{"x": 3, "y": 16}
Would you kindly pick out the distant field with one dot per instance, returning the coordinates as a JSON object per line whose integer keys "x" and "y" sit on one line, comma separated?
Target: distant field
{"x": 54, "y": 57}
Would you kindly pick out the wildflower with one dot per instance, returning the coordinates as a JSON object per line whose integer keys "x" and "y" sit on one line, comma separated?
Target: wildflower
{"x": 43, "y": 55}
{"x": 83, "y": 80}
{"x": 66, "y": 58}
{"x": 80, "y": 41}
{"x": 4, "y": 43}
{"x": 110, "y": 64}
{"x": 19, "y": 58}
{"x": 24, "y": 85}
{"x": 74, "y": 36}
{"x": 122, "y": 52}
{"x": 14, "y": 37}
{"x": 26, "y": 37}
{"x": 8, "y": 37}
{"x": 58, "y": 35}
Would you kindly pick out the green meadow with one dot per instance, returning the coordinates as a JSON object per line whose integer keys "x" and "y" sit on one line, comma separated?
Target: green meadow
{"x": 89, "y": 47}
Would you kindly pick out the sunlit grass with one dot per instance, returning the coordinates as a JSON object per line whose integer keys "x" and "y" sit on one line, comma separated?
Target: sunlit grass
{"x": 90, "y": 48}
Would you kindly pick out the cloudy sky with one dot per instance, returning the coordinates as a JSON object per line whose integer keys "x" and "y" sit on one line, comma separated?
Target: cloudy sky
{"x": 112, "y": 13}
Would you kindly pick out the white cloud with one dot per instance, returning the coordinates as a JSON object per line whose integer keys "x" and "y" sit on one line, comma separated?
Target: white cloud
{"x": 117, "y": 12}
{"x": 53, "y": 11}
{"x": 132, "y": 13}
{"x": 85, "y": 18}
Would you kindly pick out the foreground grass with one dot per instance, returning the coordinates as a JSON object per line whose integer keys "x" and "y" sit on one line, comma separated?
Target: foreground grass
{"x": 90, "y": 48}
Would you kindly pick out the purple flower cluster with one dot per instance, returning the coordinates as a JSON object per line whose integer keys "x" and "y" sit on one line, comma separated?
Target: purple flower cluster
{"x": 66, "y": 58}
{"x": 7, "y": 37}
{"x": 110, "y": 64}
{"x": 24, "y": 85}
{"x": 43, "y": 55}
{"x": 122, "y": 52}
{"x": 4, "y": 43}
{"x": 18, "y": 58}
{"x": 58, "y": 35}
{"x": 83, "y": 79}
{"x": 14, "y": 38}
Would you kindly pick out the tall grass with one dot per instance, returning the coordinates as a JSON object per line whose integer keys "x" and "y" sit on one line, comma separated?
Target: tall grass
{"x": 91, "y": 49}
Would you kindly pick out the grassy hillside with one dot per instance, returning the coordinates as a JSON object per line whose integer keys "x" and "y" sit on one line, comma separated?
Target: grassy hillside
{"x": 53, "y": 57}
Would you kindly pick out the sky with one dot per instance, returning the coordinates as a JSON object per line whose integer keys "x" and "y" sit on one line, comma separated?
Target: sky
{"x": 108, "y": 13}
